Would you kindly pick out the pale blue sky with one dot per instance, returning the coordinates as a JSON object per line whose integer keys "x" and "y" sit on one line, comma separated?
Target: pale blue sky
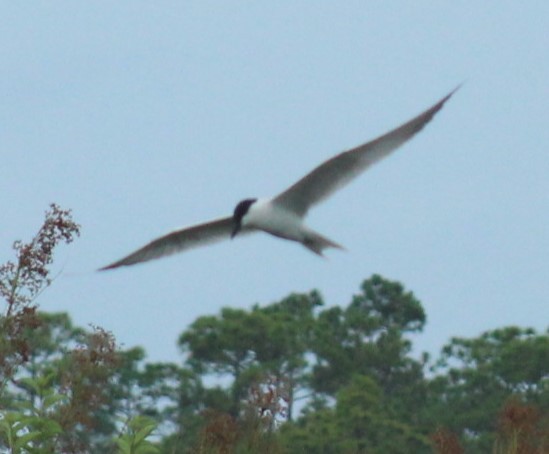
{"x": 146, "y": 116}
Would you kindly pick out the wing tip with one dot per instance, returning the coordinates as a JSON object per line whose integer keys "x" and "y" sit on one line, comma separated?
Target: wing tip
{"x": 441, "y": 103}
{"x": 112, "y": 266}
{"x": 424, "y": 118}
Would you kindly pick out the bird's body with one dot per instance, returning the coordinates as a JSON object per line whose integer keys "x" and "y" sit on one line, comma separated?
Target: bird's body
{"x": 273, "y": 218}
{"x": 283, "y": 215}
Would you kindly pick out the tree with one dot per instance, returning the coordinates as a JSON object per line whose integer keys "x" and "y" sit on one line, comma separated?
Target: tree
{"x": 303, "y": 349}
{"x": 21, "y": 281}
{"x": 55, "y": 379}
{"x": 367, "y": 338}
{"x": 251, "y": 345}
{"x": 478, "y": 377}
{"x": 359, "y": 422}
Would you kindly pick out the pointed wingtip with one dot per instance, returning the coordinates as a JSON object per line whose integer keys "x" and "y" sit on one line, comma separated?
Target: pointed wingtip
{"x": 420, "y": 121}
{"x": 449, "y": 95}
{"x": 112, "y": 266}
{"x": 439, "y": 105}
{"x": 105, "y": 268}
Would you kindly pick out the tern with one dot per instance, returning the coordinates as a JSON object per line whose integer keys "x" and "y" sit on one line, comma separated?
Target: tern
{"x": 283, "y": 215}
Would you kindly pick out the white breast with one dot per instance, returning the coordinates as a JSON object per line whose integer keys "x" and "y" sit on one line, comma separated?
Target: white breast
{"x": 274, "y": 219}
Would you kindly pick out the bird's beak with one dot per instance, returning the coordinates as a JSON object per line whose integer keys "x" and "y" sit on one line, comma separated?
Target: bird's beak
{"x": 236, "y": 229}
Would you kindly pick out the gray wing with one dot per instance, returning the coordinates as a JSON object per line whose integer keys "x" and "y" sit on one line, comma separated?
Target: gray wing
{"x": 180, "y": 240}
{"x": 342, "y": 168}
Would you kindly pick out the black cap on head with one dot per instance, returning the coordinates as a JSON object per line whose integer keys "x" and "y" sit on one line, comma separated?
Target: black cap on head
{"x": 239, "y": 212}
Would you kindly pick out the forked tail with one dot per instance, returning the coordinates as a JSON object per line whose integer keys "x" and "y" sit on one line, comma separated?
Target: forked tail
{"x": 316, "y": 243}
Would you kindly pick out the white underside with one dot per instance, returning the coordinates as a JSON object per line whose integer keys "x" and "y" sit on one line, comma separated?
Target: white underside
{"x": 274, "y": 219}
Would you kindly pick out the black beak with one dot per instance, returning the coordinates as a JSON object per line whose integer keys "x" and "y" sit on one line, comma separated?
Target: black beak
{"x": 236, "y": 229}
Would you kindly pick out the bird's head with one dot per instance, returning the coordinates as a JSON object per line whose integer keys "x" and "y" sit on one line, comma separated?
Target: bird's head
{"x": 239, "y": 212}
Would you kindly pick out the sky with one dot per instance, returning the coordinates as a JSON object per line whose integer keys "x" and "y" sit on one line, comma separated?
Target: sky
{"x": 143, "y": 117}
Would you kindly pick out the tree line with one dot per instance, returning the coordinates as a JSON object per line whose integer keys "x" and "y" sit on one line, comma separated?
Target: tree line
{"x": 293, "y": 376}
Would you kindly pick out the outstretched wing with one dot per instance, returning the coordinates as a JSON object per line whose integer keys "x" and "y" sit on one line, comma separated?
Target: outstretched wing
{"x": 180, "y": 240}
{"x": 335, "y": 173}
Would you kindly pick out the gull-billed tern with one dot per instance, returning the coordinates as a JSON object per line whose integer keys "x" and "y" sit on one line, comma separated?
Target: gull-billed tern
{"x": 283, "y": 215}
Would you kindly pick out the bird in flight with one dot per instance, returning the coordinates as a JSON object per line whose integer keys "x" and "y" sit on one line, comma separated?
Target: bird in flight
{"x": 283, "y": 215}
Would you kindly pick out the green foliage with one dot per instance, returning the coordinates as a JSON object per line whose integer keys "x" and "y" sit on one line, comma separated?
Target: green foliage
{"x": 134, "y": 440}
{"x": 16, "y": 431}
{"x": 32, "y": 426}
{"x": 359, "y": 422}
{"x": 368, "y": 338}
{"x": 247, "y": 345}
{"x": 478, "y": 376}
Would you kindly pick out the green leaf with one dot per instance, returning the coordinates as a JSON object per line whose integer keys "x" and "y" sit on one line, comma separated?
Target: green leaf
{"x": 20, "y": 424}
{"x": 25, "y": 405}
{"x": 31, "y": 383}
{"x": 51, "y": 400}
{"x": 143, "y": 433}
{"x": 147, "y": 448}
{"x": 124, "y": 446}
{"x": 23, "y": 440}
{"x": 51, "y": 427}
{"x": 5, "y": 426}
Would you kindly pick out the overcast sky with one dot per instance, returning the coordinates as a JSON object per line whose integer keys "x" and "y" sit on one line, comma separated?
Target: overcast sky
{"x": 146, "y": 116}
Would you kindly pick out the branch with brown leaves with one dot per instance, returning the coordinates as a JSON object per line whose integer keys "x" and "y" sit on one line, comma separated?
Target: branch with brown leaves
{"x": 22, "y": 280}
